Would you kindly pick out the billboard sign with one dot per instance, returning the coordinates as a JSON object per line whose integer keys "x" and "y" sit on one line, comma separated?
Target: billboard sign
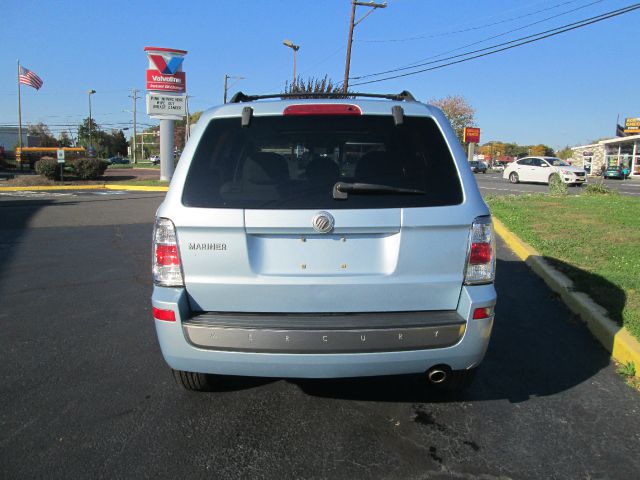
{"x": 471, "y": 135}
{"x": 164, "y": 73}
{"x": 632, "y": 125}
{"x": 166, "y": 105}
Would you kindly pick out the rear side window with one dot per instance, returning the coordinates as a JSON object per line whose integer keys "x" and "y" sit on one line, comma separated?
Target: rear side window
{"x": 293, "y": 162}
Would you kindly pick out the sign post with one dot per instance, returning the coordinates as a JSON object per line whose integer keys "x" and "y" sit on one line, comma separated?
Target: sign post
{"x": 471, "y": 136}
{"x": 60, "y": 153}
{"x": 166, "y": 98}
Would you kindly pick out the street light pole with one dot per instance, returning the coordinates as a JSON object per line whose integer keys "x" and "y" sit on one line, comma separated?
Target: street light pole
{"x": 295, "y": 48}
{"x": 90, "y": 92}
{"x": 352, "y": 25}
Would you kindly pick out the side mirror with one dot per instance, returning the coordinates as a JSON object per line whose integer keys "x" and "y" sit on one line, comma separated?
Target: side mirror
{"x": 546, "y": 165}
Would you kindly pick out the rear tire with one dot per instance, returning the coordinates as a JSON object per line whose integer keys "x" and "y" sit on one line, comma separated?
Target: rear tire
{"x": 513, "y": 177}
{"x": 196, "y": 382}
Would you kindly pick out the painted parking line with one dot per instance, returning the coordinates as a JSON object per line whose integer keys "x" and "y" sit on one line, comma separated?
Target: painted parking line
{"x": 109, "y": 192}
{"x": 31, "y": 194}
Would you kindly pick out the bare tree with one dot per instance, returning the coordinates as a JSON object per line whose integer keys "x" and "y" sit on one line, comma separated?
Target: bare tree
{"x": 458, "y": 111}
{"x": 314, "y": 85}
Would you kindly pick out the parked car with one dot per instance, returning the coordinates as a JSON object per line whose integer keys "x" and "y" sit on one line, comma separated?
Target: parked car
{"x": 118, "y": 161}
{"x": 478, "y": 167}
{"x": 498, "y": 167}
{"x": 155, "y": 159}
{"x": 267, "y": 266}
{"x": 616, "y": 171}
{"x": 541, "y": 169}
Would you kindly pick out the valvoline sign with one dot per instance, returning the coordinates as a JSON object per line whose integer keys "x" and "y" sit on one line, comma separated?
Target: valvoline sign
{"x": 165, "y": 70}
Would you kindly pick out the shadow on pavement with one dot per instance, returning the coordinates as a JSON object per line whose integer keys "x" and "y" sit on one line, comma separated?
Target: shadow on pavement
{"x": 14, "y": 220}
{"x": 538, "y": 348}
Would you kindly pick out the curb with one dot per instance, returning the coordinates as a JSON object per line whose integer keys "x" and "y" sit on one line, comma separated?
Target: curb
{"x": 617, "y": 340}
{"x": 104, "y": 186}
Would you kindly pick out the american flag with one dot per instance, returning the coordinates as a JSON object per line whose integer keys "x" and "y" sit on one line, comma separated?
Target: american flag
{"x": 27, "y": 77}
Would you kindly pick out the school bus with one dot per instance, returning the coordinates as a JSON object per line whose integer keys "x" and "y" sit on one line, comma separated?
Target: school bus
{"x": 30, "y": 155}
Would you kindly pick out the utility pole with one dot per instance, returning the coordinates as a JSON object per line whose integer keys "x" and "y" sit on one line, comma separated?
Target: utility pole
{"x": 227, "y": 86}
{"x": 187, "y": 127}
{"x": 352, "y": 25}
{"x": 134, "y": 96}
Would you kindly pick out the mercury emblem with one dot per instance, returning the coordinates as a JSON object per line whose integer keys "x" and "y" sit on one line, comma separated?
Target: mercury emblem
{"x": 323, "y": 222}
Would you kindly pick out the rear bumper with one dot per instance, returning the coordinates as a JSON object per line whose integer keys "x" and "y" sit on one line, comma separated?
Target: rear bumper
{"x": 384, "y": 344}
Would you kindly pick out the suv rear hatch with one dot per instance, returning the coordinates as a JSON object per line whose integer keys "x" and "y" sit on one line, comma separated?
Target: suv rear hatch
{"x": 254, "y": 194}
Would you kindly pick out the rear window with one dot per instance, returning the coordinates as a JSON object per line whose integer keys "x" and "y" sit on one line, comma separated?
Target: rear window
{"x": 293, "y": 162}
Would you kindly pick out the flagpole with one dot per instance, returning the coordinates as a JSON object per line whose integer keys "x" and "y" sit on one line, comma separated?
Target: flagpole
{"x": 19, "y": 116}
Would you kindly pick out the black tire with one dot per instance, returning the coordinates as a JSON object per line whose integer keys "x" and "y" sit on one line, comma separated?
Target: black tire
{"x": 513, "y": 177}
{"x": 196, "y": 382}
{"x": 457, "y": 380}
{"x": 579, "y": 184}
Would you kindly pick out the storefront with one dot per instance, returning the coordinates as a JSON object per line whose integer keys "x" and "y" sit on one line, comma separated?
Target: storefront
{"x": 623, "y": 151}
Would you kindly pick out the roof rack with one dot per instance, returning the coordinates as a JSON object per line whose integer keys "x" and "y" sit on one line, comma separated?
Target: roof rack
{"x": 402, "y": 96}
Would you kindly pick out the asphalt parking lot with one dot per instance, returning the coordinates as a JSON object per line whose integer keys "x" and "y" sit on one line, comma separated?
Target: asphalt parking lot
{"x": 86, "y": 393}
{"x": 494, "y": 184}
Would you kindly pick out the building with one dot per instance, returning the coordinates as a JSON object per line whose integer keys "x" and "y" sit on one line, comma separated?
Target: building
{"x": 9, "y": 138}
{"x": 614, "y": 151}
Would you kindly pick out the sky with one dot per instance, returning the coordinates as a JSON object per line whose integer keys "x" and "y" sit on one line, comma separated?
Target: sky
{"x": 564, "y": 90}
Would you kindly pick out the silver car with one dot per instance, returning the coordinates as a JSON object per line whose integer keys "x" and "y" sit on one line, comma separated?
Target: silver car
{"x": 324, "y": 237}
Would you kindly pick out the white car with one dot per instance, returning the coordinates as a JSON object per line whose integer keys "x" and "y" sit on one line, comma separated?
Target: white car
{"x": 541, "y": 169}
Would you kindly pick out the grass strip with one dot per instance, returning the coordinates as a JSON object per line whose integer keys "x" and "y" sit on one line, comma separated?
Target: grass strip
{"x": 594, "y": 240}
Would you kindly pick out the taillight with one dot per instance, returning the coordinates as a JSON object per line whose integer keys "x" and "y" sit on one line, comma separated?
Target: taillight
{"x": 481, "y": 259}
{"x": 166, "y": 257}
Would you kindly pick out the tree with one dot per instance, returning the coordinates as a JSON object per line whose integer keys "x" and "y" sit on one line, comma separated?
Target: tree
{"x": 43, "y": 134}
{"x": 541, "y": 150}
{"x": 118, "y": 143}
{"x": 458, "y": 111}
{"x": 565, "y": 153}
{"x": 64, "y": 140}
{"x": 83, "y": 133}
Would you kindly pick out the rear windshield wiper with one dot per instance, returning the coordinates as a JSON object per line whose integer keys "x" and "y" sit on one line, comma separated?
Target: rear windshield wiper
{"x": 342, "y": 189}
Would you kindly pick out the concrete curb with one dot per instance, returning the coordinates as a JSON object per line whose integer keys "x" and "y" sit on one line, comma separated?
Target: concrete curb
{"x": 623, "y": 346}
{"x": 104, "y": 186}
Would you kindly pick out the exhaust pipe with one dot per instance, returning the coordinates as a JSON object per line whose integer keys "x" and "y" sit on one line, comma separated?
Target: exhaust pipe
{"x": 437, "y": 375}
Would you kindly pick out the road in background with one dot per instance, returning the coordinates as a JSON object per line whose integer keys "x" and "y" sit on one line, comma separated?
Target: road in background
{"x": 85, "y": 391}
{"x": 494, "y": 184}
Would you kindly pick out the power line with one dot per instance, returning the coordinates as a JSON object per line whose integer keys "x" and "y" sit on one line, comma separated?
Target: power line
{"x": 540, "y": 36}
{"x": 470, "y": 29}
{"x": 419, "y": 64}
{"x": 416, "y": 63}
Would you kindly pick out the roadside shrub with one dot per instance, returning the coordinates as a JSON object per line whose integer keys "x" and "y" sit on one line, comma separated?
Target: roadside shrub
{"x": 597, "y": 188}
{"x": 48, "y": 167}
{"x": 556, "y": 185}
{"x": 89, "y": 168}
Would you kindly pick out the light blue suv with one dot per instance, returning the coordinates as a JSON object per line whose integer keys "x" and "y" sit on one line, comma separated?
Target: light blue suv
{"x": 323, "y": 237}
